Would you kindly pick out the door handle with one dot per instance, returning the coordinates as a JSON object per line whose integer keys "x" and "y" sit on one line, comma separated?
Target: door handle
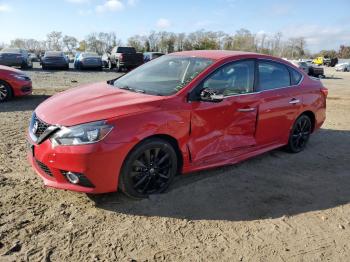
{"x": 294, "y": 101}
{"x": 251, "y": 109}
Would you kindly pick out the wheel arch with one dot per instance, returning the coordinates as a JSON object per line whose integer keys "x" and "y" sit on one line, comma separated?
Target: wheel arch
{"x": 171, "y": 140}
{"x": 312, "y": 117}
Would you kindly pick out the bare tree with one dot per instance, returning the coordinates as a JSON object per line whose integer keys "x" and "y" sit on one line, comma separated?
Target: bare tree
{"x": 54, "y": 40}
{"x": 70, "y": 43}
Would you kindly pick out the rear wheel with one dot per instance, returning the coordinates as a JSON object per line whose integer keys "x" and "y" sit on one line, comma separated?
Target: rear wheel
{"x": 148, "y": 169}
{"x": 300, "y": 134}
{"x": 5, "y": 91}
{"x": 24, "y": 65}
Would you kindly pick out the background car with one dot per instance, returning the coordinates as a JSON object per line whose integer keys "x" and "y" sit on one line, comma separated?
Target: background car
{"x": 124, "y": 58}
{"x": 148, "y": 56}
{"x": 13, "y": 82}
{"x": 345, "y": 67}
{"x": 315, "y": 70}
{"x": 15, "y": 57}
{"x": 105, "y": 60}
{"x": 88, "y": 60}
{"x": 331, "y": 62}
{"x": 54, "y": 59}
{"x": 33, "y": 57}
{"x": 302, "y": 65}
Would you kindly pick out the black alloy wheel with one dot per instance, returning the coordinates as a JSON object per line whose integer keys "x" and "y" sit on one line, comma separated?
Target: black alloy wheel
{"x": 300, "y": 134}
{"x": 5, "y": 91}
{"x": 149, "y": 169}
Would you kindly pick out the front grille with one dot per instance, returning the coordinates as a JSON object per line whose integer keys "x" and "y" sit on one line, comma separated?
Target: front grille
{"x": 39, "y": 126}
{"x": 44, "y": 167}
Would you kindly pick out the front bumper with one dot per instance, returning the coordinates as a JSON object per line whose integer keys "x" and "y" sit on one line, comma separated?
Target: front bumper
{"x": 20, "y": 87}
{"x": 100, "y": 163}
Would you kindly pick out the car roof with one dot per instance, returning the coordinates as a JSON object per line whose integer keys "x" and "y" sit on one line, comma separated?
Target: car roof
{"x": 54, "y": 53}
{"x": 217, "y": 54}
{"x": 11, "y": 50}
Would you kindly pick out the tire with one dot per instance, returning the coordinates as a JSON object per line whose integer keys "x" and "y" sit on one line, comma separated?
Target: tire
{"x": 300, "y": 134}
{"x": 24, "y": 65}
{"x": 148, "y": 169}
{"x": 5, "y": 91}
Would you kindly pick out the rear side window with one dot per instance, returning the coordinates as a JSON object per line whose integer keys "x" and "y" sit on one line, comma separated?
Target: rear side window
{"x": 273, "y": 75}
{"x": 295, "y": 76}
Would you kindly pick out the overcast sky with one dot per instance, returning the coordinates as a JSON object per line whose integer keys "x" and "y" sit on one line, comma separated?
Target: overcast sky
{"x": 324, "y": 24}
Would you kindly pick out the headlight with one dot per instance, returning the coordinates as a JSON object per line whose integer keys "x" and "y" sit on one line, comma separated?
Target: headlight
{"x": 81, "y": 134}
{"x": 21, "y": 77}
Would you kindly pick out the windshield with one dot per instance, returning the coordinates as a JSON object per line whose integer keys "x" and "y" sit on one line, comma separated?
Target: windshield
{"x": 163, "y": 76}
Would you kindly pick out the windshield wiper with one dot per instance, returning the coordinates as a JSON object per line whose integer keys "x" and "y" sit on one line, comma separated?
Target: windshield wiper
{"x": 132, "y": 89}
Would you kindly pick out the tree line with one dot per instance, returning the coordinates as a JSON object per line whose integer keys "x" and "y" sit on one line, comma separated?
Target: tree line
{"x": 168, "y": 42}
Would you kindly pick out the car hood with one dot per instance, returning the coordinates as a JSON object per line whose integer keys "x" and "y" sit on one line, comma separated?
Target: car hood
{"x": 94, "y": 102}
{"x": 11, "y": 70}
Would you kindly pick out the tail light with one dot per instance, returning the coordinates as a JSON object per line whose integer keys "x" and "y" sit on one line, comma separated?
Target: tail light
{"x": 121, "y": 57}
{"x": 324, "y": 91}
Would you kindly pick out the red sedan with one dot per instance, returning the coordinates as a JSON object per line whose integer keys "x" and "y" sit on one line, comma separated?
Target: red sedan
{"x": 13, "y": 82}
{"x": 179, "y": 113}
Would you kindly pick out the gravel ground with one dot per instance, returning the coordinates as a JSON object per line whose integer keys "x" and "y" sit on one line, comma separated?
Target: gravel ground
{"x": 275, "y": 207}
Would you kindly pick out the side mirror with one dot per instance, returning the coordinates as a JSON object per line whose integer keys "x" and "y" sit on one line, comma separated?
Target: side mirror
{"x": 210, "y": 95}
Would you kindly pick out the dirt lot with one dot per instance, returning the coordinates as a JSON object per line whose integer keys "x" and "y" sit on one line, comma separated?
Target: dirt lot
{"x": 276, "y": 207}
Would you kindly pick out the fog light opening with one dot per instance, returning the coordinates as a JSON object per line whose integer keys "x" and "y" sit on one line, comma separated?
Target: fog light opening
{"x": 73, "y": 178}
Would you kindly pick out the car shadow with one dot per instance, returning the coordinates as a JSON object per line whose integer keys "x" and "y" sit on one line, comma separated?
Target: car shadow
{"x": 333, "y": 77}
{"x": 272, "y": 185}
{"x": 24, "y": 103}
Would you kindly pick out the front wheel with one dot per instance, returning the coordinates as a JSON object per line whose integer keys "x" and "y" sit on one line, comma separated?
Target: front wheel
{"x": 5, "y": 91}
{"x": 148, "y": 169}
{"x": 300, "y": 134}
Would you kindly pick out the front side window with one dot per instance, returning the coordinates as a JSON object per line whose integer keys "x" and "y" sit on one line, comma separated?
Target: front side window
{"x": 232, "y": 79}
{"x": 163, "y": 76}
{"x": 273, "y": 75}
